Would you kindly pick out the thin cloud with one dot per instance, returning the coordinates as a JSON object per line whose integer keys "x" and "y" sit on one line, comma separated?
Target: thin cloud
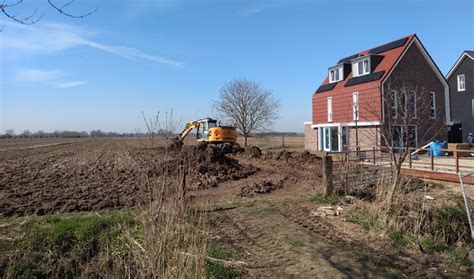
{"x": 36, "y": 75}
{"x": 52, "y": 78}
{"x": 50, "y": 37}
{"x": 71, "y": 84}
{"x": 258, "y": 9}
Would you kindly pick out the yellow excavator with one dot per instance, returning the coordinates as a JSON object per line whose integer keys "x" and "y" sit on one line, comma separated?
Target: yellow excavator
{"x": 209, "y": 130}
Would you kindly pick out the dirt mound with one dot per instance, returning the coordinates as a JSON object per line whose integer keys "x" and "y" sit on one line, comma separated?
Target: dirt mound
{"x": 210, "y": 165}
{"x": 304, "y": 157}
{"x": 253, "y": 152}
{"x": 263, "y": 187}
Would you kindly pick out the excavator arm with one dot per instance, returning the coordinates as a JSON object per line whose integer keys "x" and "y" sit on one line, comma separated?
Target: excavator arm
{"x": 189, "y": 127}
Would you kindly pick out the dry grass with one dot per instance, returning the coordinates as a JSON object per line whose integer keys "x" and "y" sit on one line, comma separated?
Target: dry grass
{"x": 412, "y": 222}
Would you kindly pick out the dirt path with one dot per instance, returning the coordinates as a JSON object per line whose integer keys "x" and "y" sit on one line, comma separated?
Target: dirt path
{"x": 274, "y": 246}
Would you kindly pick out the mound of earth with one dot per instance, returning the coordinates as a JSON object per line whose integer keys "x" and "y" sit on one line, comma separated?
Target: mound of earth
{"x": 209, "y": 165}
{"x": 304, "y": 157}
{"x": 263, "y": 187}
{"x": 253, "y": 152}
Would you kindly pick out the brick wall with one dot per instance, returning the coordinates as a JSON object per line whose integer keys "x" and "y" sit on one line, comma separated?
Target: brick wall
{"x": 413, "y": 73}
{"x": 368, "y": 136}
{"x": 310, "y": 137}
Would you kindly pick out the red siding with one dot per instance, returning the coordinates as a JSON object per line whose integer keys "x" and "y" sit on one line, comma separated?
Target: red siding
{"x": 369, "y": 104}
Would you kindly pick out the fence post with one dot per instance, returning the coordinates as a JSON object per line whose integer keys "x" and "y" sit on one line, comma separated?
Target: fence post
{"x": 409, "y": 158}
{"x": 432, "y": 159}
{"x": 327, "y": 175}
{"x": 374, "y": 154}
{"x": 456, "y": 156}
{"x": 283, "y": 141}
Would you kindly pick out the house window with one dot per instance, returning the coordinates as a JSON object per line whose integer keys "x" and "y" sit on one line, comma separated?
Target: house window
{"x": 361, "y": 67}
{"x": 355, "y": 105}
{"x": 335, "y": 74}
{"x": 461, "y": 83}
{"x": 433, "y": 105}
{"x": 412, "y": 102}
{"x": 403, "y": 104}
{"x": 394, "y": 104}
{"x": 329, "y": 109}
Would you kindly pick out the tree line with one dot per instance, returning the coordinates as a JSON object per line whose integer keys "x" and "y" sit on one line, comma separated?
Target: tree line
{"x": 10, "y": 133}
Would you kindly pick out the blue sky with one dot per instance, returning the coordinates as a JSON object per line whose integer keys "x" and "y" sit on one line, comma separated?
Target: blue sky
{"x": 101, "y": 71}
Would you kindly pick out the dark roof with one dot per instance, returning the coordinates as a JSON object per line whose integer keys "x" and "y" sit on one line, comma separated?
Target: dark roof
{"x": 470, "y": 53}
{"x": 384, "y": 58}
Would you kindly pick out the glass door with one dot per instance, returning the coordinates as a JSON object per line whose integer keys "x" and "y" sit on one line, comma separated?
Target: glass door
{"x": 334, "y": 139}
{"x": 326, "y": 139}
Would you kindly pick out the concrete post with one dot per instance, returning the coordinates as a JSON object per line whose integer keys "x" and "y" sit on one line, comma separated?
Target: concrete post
{"x": 327, "y": 176}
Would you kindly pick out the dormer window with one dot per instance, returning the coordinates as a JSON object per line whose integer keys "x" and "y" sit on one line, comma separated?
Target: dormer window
{"x": 335, "y": 74}
{"x": 361, "y": 67}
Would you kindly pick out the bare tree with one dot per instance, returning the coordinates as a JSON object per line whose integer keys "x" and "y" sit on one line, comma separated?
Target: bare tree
{"x": 248, "y": 106}
{"x": 26, "y": 133}
{"x": 7, "y": 7}
{"x": 10, "y": 133}
{"x": 165, "y": 128}
{"x": 409, "y": 119}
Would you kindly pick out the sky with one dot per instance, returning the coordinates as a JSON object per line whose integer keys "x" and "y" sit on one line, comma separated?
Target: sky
{"x": 102, "y": 71}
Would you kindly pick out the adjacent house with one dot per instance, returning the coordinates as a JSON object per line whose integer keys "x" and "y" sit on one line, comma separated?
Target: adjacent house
{"x": 461, "y": 86}
{"x": 390, "y": 94}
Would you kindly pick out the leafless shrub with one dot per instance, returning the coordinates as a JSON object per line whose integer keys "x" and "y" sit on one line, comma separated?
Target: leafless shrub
{"x": 170, "y": 240}
{"x": 165, "y": 128}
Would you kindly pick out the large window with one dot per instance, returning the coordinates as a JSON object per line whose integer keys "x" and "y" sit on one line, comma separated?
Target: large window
{"x": 433, "y": 105}
{"x": 335, "y": 74}
{"x": 329, "y": 109}
{"x": 403, "y": 104}
{"x": 393, "y": 104}
{"x": 413, "y": 105}
{"x": 361, "y": 67}
{"x": 355, "y": 105}
{"x": 461, "y": 83}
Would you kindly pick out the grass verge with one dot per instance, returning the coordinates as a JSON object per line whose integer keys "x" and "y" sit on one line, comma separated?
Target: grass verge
{"x": 215, "y": 270}
{"x": 59, "y": 246}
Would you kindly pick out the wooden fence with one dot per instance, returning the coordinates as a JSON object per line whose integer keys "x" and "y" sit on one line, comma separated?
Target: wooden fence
{"x": 364, "y": 164}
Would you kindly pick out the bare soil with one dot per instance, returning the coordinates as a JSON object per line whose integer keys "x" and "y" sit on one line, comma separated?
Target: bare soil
{"x": 262, "y": 207}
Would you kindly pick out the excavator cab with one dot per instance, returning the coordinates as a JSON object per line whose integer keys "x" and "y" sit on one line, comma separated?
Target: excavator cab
{"x": 203, "y": 127}
{"x": 210, "y": 130}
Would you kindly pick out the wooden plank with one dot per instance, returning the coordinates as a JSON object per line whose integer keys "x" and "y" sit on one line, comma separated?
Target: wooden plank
{"x": 441, "y": 176}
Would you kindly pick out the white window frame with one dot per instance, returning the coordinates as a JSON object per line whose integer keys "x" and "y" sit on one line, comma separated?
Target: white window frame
{"x": 339, "y": 70}
{"x": 463, "y": 87}
{"x": 433, "y": 105}
{"x": 355, "y": 106}
{"x": 413, "y": 93}
{"x": 365, "y": 67}
{"x": 329, "y": 103}
{"x": 394, "y": 104}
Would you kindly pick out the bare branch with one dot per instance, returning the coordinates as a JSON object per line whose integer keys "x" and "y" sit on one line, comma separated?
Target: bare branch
{"x": 26, "y": 20}
{"x": 61, "y": 9}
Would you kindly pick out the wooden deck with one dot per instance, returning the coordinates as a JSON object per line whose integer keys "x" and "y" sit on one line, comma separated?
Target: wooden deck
{"x": 442, "y": 176}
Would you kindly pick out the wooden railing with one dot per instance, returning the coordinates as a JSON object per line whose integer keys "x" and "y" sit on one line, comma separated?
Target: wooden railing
{"x": 380, "y": 155}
